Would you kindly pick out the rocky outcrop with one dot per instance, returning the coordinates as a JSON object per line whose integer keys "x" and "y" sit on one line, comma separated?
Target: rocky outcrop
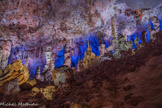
{"x": 11, "y": 87}
{"x": 47, "y": 92}
{"x": 61, "y": 75}
{"x": 15, "y": 70}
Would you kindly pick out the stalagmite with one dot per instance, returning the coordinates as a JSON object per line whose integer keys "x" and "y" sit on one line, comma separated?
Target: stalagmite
{"x": 129, "y": 45}
{"x": 27, "y": 62}
{"x": 48, "y": 54}
{"x": 156, "y": 25}
{"x": 49, "y": 74}
{"x": 52, "y": 66}
{"x": 1, "y": 53}
{"x": 49, "y": 67}
{"x": 38, "y": 75}
{"x": 116, "y": 52}
{"x": 137, "y": 42}
{"x": 122, "y": 43}
{"x": 89, "y": 58}
{"x": 149, "y": 27}
{"x": 67, "y": 55}
{"x": 113, "y": 27}
{"x": 102, "y": 49}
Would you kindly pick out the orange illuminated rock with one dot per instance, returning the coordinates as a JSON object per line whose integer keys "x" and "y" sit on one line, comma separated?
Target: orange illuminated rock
{"x": 13, "y": 71}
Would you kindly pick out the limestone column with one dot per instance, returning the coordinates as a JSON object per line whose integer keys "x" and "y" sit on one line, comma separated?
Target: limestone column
{"x": 149, "y": 27}
{"x": 1, "y": 53}
{"x": 27, "y": 62}
{"x": 116, "y": 52}
{"x": 48, "y": 54}
{"x": 52, "y": 66}
{"x": 102, "y": 49}
{"x": 38, "y": 73}
{"x": 5, "y": 54}
{"x": 67, "y": 55}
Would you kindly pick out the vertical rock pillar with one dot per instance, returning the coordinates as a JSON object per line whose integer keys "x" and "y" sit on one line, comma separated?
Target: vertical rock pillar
{"x": 5, "y": 53}
{"x": 1, "y": 54}
{"x": 149, "y": 27}
{"x": 116, "y": 52}
{"x": 48, "y": 54}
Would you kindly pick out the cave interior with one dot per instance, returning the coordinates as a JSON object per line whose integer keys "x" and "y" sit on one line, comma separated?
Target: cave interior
{"x": 81, "y": 53}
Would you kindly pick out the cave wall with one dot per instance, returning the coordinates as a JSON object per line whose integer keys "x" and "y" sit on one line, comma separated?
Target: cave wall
{"x": 28, "y": 27}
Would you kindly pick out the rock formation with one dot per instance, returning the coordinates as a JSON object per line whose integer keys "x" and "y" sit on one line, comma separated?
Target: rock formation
{"x": 89, "y": 59}
{"x": 47, "y": 92}
{"x": 102, "y": 49}
{"x": 48, "y": 55}
{"x": 60, "y": 75}
{"x": 46, "y": 40}
{"x": 48, "y": 69}
{"x": 6, "y": 47}
{"x": 12, "y": 87}
{"x": 38, "y": 75}
{"x": 116, "y": 51}
{"x": 68, "y": 55}
{"x": 15, "y": 70}
{"x": 35, "y": 24}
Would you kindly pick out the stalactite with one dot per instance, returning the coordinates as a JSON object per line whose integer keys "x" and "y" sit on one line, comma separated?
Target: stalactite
{"x": 37, "y": 52}
{"x": 19, "y": 4}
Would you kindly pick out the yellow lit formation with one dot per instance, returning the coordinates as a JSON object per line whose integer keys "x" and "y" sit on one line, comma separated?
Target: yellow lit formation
{"x": 47, "y": 92}
{"x": 13, "y": 71}
{"x": 89, "y": 58}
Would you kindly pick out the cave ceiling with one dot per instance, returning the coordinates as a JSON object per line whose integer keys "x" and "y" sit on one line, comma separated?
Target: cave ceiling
{"x": 33, "y": 22}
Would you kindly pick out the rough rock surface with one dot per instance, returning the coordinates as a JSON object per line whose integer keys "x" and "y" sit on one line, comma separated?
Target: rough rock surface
{"x": 35, "y": 23}
{"x": 15, "y": 70}
{"x": 11, "y": 88}
{"x": 136, "y": 83}
{"x": 28, "y": 27}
